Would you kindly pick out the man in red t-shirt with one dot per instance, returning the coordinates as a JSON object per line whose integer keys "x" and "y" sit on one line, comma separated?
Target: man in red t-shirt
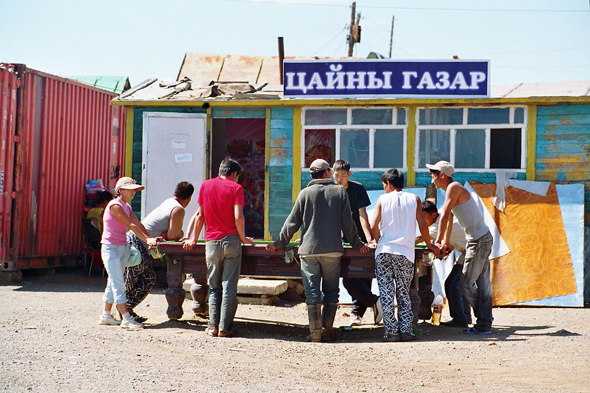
{"x": 221, "y": 204}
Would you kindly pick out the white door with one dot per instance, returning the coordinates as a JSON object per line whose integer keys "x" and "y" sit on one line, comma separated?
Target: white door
{"x": 174, "y": 150}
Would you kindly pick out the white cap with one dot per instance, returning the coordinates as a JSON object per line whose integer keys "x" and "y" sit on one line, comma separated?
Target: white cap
{"x": 442, "y": 166}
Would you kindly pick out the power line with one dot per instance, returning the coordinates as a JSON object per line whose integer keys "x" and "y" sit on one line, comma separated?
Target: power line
{"x": 329, "y": 42}
{"x": 390, "y": 7}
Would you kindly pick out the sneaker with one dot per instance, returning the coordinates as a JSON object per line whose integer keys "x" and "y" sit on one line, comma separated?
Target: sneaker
{"x": 473, "y": 330}
{"x": 377, "y": 312}
{"x": 454, "y": 323}
{"x": 355, "y": 320}
{"x": 407, "y": 336}
{"x": 110, "y": 320}
{"x": 227, "y": 333}
{"x": 211, "y": 332}
{"x": 138, "y": 318}
{"x": 392, "y": 337}
{"x": 131, "y": 324}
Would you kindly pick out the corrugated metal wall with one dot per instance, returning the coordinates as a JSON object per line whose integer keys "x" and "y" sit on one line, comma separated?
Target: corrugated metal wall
{"x": 69, "y": 134}
{"x": 8, "y": 114}
{"x": 563, "y": 147}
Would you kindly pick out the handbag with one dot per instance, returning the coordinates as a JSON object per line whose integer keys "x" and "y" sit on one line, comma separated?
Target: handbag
{"x": 134, "y": 256}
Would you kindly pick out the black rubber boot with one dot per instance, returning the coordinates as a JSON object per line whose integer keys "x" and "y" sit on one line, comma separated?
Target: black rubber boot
{"x": 315, "y": 322}
{"x": 328, "y": 315}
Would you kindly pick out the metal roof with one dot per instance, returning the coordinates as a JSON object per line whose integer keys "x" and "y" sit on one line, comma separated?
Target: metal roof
{"x": 115, "y": 84}
{"x": 545, "y": 89}
{"x": 187, "y": 90}
{"x": 202, "y": 67}
{"x": 206, "y": 77}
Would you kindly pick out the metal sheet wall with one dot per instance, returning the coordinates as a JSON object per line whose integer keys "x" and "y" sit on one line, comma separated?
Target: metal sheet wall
{"x": 8, "y": 86}
{"x": 69, "y": 134}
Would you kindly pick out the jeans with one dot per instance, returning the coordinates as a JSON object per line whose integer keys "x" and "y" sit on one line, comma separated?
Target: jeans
{"x": 114, "y": 259}
{"x": 224, "y": 258}
{"x": 360, "y": 292}
{"x": 475, "y": 280}
{"x": 324, "y": 271}
{"x": 459, "y": 307}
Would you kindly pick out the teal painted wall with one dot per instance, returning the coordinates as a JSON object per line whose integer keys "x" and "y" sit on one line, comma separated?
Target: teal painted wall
{"x": 371, "y": 180}
{"x": 280, "y": 168}
{"x": 563, "y": 147}
{"x": 138, "y": 143}
{"x": 423, "y": 178}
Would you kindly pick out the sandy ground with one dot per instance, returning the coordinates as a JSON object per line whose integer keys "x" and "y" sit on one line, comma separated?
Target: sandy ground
{"x": 50, "y": 342}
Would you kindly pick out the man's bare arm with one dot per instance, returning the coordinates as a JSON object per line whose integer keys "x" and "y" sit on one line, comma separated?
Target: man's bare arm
{"x": 375, "y": 221}
{"x": 240, "y": 221}
{"x": 423, "y": 227}
{"x": 198, "y": 221}
{"x": 364, "y": 219}
{"x": 453, "y": 192}
{"x": 175, "y": 226}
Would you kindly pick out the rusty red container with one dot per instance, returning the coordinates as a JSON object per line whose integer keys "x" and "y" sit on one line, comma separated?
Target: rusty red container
{"x": 59, "y": 135}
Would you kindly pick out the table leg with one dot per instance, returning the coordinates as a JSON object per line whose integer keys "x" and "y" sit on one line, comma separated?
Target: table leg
{"x": 175, "y": 294}
{"x": 199, "y": 292}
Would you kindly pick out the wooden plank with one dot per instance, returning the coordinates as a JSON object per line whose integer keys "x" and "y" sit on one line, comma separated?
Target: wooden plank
{"x": 531, "y": 141}
{"x": 282, "y": 113}
{"x": 561, "y": 110}
{"x": 129, "y": 142}
{"x": 238, "y": 113}
{"x": 411, "y": 147}
{"x": 282, "y": 143}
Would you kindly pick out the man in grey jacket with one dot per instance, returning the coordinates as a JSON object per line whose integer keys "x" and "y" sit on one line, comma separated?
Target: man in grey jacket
{"x": 322, "y": 211}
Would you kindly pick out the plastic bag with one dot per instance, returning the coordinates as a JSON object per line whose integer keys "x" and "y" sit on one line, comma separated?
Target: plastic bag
{"x": 134, "y": 256}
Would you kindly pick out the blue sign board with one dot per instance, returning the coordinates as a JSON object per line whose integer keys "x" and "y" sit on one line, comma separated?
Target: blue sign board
{"x": 386, "y": 78}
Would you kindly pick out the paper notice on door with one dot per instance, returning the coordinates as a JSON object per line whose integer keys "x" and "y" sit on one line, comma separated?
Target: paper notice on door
{"x": 185, "y": 157}
{"x": 178, "y": 144}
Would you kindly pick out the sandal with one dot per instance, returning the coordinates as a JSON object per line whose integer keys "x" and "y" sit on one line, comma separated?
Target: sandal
{"x": 473, "y": 330}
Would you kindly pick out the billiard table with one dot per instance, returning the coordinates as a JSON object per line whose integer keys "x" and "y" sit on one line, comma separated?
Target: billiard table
{"x": 282, "y": 264}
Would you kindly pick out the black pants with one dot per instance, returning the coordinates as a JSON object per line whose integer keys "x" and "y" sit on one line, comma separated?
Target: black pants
{"x": 458, "y": 306}
{"x": 360, "y": 292}
{"x": 140, "y": 279}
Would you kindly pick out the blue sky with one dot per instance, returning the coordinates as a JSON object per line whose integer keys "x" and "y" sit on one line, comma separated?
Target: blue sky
{"x": 525, "y": 40}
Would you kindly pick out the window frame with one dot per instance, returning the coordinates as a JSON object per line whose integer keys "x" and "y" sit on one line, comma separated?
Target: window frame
{"x": 349, "y": 126}
{"x": 466, "y": 126}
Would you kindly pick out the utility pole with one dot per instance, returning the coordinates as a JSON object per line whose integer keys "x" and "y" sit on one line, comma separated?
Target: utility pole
{"x": 350, "y": 40}
{"x": 391, "y": 38}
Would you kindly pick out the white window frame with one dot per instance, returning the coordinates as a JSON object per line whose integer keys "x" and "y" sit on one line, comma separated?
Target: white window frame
{"x": 350, "y": 126}
{"x": 487, "y": 127}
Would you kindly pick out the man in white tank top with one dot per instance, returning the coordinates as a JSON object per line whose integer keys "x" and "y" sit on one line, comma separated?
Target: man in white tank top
{"x": 393, "y": 226}
{"x": 475, "y": 280}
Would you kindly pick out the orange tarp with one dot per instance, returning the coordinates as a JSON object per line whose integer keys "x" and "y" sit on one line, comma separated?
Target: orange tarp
{"x": 539, "y": 264}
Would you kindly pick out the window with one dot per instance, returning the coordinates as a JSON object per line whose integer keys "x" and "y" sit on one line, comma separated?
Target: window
{"x": 479, "y": 138}
{"x": 368, "y": 138}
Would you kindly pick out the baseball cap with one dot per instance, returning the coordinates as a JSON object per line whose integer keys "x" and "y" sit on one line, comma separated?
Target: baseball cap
{"x": 442, "y": 166}
{"x": 319, "y": 165}
{"x": 127, "y": 183}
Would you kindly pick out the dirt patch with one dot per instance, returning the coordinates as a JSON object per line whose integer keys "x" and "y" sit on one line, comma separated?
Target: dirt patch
{"x": 50, "y": 342}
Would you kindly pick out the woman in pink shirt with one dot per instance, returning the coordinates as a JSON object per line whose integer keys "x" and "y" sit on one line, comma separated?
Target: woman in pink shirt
{"x": 118, "y": 218}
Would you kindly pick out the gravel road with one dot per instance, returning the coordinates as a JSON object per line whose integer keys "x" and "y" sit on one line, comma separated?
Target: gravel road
{"x": 50, "y": 341}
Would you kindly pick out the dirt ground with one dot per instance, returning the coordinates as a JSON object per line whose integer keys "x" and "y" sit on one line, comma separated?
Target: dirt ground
{"x": 50, "y": 342}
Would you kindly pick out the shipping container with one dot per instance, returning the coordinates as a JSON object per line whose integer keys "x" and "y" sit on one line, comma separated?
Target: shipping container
{"x": 57, "y": 134}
